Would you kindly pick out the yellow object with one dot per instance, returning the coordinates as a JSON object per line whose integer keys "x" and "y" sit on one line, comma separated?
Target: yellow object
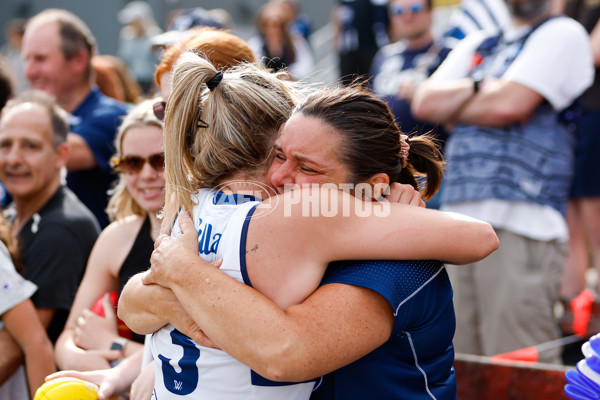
{"x": 67, "y": 389}
{"x": 445, "y": 3}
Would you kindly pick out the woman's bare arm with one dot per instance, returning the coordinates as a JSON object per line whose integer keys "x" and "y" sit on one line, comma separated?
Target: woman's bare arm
{"x": 101, "y": 276}
{"x": 366, "y": 230}
{"x": 147, "y": 308}
{"x": 184, "y": 272}
{"x": 111, "y": 381}
{"x": 23, "y": 324}
{"x": 291, "y": 248}
{"x": 333, "y": 327}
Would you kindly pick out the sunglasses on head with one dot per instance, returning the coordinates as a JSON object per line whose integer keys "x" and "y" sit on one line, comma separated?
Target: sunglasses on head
{"x": 159, "y": 109}
{"x": 134, "y": 164}
{"x": 413, "y": 8}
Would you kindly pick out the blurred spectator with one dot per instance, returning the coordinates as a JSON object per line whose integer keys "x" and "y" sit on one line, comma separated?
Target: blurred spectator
{"x": 182, "y": 20}
{"x": 58, "y": 48}
{"x": 55, "y": 230}
{"x": 510, "y": 163}
{"x": 133, "y": 92}
{"x": 12, "y": 51}
{"x": 222, "y": 48}
{"x": 107, "y": 79}
{"x": 123, "y": 248}
{"x": 135, "y": 46}
{"x": 583, "y": 215}
{"x": 361, "y": 28}
{"x": 490, "y": 16}
{"x": 6, "y": 82}
{"x": 6, "y": 93}
{"x": 277, "y": 47}
{"x": 300, "y": 22}
{"x": 114, "y": 80}
{"x": 400, "y": 67}
{"x": 20, "y": 320}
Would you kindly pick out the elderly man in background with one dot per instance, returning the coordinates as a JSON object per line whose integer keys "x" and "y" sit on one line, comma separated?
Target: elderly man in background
{"x": 58, "y": 47}
{"x": 55, "y": 230}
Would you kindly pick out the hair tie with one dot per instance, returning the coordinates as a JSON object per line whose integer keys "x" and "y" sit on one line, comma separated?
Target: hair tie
{"x": 214, "y": 81}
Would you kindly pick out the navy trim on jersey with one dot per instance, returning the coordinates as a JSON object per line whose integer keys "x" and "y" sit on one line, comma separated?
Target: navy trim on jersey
{"x": 243, "y": 237}
{"x": 233, "y": 199}
{"x": 258, "y": 380}
{"x": 469, "y": 15}
{"x": 490, "y": 14}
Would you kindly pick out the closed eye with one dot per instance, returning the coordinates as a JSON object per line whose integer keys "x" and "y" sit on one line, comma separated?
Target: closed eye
{"x": 308, "y": 170}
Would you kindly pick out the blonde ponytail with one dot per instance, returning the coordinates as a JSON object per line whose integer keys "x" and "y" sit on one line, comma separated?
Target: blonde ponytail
{"x": 211, "y": 134}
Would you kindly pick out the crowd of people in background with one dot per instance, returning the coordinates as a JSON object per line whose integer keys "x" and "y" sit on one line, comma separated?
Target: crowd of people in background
{"x": 484, "y": 118}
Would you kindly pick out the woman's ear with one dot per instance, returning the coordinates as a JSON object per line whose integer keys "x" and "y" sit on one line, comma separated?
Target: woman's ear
{"x": 379, "y": 182}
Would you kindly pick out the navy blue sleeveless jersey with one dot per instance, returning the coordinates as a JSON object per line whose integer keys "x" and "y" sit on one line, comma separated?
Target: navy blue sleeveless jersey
{"x": 417, "y": 360}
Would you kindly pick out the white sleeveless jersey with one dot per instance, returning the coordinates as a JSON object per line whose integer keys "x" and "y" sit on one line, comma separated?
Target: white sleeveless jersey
{"x": 185, "y": 369}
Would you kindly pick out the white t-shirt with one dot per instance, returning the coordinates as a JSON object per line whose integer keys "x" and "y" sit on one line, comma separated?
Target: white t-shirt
{"x": 14, "y": 289}
{"x": 490, "y": 16}
{"x": 556, "y": 61}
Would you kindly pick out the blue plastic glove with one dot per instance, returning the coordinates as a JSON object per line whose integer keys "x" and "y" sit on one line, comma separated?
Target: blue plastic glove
{"x": 584, "y": 383}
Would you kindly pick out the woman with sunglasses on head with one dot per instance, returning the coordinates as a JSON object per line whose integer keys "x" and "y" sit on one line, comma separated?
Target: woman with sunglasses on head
{"x": 218, "y": 141}
{"x": 91, "y": 341}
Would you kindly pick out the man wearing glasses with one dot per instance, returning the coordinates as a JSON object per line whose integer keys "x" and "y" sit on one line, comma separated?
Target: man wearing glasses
{"x": 400, "y": 67}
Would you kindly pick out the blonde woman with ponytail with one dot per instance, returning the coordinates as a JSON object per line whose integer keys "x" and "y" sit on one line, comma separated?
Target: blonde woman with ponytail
{"x": 220, "y": 137}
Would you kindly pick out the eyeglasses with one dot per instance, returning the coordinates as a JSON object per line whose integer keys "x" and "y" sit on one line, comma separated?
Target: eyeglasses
{"x": 413, "y": 8}
{"x": 159, "y": 109}
{"x": 134, "y": 164}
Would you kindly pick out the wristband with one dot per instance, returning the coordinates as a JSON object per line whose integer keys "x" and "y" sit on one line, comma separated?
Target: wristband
{"x": 476, "y": 85}
{"x": 119, "y": 344}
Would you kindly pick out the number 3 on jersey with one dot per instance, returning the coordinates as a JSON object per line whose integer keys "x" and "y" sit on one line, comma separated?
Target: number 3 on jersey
{"x": 184, "y": 382}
